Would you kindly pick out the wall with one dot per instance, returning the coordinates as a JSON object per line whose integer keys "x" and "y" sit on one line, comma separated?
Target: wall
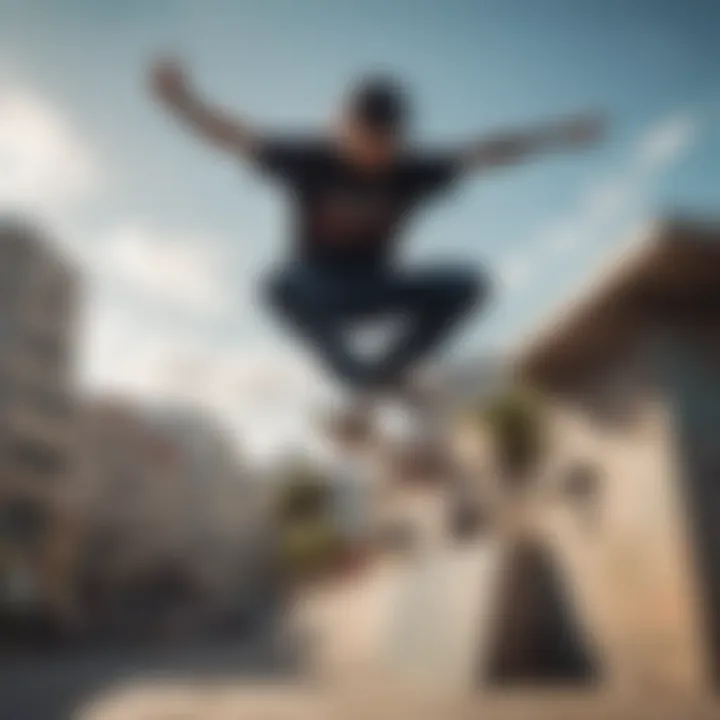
{"x": 691, "y": 365}
{"x": 631, "y": 567}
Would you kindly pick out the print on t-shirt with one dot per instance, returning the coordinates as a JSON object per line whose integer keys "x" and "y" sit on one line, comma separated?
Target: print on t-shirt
{"x": 344, "y": 215}
{"x": 347, "y": 217}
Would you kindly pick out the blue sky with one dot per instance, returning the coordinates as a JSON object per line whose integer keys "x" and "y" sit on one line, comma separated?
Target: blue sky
{"x": 173, "y": 236}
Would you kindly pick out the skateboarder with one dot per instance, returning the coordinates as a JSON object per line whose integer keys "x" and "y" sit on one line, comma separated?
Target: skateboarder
{"x": 352, "y": 190}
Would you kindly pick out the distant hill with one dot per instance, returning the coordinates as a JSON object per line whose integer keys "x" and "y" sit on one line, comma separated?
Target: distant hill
{"x": 472, "y": 380}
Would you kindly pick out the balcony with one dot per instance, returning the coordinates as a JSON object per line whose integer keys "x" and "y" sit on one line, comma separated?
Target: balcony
{"x": 28, "y": 420}
{"x": 33, "y": 467}
{"x": 24, "y": 521}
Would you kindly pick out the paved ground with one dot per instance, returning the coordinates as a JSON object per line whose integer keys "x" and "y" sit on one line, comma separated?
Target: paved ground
{"x": 437, "y": 628}
{"x": 371, "y": 618}
{"x": 297, "y": 703}
{"x": 57, "y": 687}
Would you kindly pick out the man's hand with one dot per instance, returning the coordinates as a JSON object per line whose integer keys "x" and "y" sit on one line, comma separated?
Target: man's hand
{"x": 170, "y": 84}
{"x": 169, "y": 81}
{"x": 515, "y": 146}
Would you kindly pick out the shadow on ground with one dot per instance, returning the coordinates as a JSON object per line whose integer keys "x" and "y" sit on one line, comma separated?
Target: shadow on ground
{"x": 56, "y": 686}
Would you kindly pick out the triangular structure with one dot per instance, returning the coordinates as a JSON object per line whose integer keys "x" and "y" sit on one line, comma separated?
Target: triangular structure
{"x": 537, "y": 638}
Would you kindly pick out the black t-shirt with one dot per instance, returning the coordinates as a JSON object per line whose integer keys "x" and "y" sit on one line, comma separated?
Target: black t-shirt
{"x": 346, "y": 216}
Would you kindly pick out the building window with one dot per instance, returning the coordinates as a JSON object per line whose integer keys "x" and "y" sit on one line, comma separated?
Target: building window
{"x": 581, "y": 485}
{"x": 53, "y": 403}
{"x": 37, "y": 457}
{"x": 23, "y": 520}
{"x": 50, "y": 349}
{"x": 125, "y": 485}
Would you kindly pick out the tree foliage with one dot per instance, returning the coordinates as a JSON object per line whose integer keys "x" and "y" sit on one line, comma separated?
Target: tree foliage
{"x": 308, "y": 542}
{"x": 515, "y": 422}
{"x": 304, "y": 494}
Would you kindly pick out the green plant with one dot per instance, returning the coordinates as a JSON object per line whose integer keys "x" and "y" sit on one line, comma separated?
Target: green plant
{"x": 515, "y": 422}
{"x": 308, "y": 548}
{"x": 304, "y": 495}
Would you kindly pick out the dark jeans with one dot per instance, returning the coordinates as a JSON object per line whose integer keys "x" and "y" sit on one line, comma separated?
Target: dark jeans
{"x": 322, "y": 304}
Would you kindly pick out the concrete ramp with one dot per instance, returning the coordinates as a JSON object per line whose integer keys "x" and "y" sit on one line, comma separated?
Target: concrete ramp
{"x": 349, "y": 620}
{"x": 440, "y": 620}
{"x": 420, "y": 621}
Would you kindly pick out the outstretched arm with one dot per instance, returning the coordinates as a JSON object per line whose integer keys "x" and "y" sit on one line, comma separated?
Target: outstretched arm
{"x": 171, "y": 86}
{"x": 516, "y": 146}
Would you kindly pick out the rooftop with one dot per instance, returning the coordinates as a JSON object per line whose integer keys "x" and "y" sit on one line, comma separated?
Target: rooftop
{"x": 671, "y": 265}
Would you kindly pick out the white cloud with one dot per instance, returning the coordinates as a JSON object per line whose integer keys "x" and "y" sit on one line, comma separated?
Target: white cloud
{"x": 665, "y": 141}
{"x": 264, "y": 394}
{"x": 119, "y": 352}
{"x": 516, "y": 271}
{"x": 607, "y": 198}
{"x": 180, "y": 270}
{"x": 562, "y": 237}
{"x": 45, "y": 165}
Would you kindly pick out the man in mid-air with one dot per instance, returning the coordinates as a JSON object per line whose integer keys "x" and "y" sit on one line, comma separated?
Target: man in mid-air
{"x": 353, "y": 189}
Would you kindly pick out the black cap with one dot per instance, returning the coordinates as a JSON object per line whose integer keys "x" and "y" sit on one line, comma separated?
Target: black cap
{"x": 380, "y": 103}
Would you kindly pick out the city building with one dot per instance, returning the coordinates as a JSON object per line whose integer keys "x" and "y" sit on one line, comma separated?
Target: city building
{"x": 217, "y": 497}
{"x": 169, "y": 514}
{"x": 630, "y": 374}
{"x": 38, "y": 325}
{"x": 126, "y": 492}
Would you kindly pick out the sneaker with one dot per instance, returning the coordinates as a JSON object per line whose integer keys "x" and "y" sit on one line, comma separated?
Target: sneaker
{"x": 352, "y": 425}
